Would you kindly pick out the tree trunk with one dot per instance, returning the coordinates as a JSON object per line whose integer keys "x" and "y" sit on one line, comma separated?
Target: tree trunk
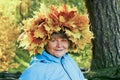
{"x": 105, "y": 24}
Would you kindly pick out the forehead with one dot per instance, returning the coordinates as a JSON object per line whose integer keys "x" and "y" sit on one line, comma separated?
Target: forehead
{"x": 59, "y": 35}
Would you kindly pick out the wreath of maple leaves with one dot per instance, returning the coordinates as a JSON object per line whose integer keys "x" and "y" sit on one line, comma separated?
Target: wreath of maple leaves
{"x": 37, "y": 30}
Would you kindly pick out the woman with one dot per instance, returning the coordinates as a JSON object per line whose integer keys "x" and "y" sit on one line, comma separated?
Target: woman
{"x": 54, "y": 33}
{"x": 54, "y": 63}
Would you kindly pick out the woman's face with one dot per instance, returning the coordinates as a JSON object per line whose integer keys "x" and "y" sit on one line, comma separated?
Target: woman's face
{"x": 57, "y": 46}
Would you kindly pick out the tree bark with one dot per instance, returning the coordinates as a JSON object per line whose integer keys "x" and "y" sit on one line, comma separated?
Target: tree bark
{"x": 105, "y": 25}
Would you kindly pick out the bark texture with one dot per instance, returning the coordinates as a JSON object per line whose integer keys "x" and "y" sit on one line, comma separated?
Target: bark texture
{"x": 105, "y": 23}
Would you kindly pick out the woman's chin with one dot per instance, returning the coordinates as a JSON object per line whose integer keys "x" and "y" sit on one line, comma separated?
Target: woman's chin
{"x": 59, "y": 53}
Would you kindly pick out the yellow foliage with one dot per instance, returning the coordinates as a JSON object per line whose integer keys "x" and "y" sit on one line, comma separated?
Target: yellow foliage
{"x": 8, "y": 35}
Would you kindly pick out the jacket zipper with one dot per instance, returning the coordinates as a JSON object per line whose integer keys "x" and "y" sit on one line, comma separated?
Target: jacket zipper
{"x": 65, "y": 70}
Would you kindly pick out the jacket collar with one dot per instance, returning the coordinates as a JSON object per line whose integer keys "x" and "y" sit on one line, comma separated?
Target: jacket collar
{"x": 50, "y": 57}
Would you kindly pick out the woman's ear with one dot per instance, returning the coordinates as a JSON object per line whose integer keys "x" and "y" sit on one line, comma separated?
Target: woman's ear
{"x": 46, "y": 44}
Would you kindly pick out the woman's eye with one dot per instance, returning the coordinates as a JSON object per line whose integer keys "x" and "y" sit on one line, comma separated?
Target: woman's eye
{"x": 53, "y": 40}
{"x": 64, "y": 40}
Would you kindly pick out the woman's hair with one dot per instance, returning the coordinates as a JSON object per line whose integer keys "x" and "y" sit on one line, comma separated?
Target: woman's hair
{"x": 61, "y": 34}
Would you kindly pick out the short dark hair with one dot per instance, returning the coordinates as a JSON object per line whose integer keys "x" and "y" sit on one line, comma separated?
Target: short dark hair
{"x": 61, "y": 34}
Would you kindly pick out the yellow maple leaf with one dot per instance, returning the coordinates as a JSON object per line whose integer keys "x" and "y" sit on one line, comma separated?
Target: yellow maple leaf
{"x": 24, "y": 40}
{"x": 47, "y": 28}
{"x": 38, "y": 33}
{"x": 74, "y": 34}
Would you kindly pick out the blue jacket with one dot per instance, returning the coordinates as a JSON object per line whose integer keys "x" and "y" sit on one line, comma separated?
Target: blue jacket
{"x": 48, "y": 67}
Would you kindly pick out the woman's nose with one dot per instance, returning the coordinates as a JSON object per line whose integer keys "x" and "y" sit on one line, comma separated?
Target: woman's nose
{"x": 59, "y": 44}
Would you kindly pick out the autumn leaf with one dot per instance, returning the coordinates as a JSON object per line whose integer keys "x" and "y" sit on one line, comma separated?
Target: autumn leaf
{"x": 38, "y": 33}
{"x": 75, "y": 35}
{"x": 54, "y": 10}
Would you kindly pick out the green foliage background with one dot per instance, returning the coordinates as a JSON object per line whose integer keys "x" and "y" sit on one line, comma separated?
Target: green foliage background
{"x": 20, "y": 10}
